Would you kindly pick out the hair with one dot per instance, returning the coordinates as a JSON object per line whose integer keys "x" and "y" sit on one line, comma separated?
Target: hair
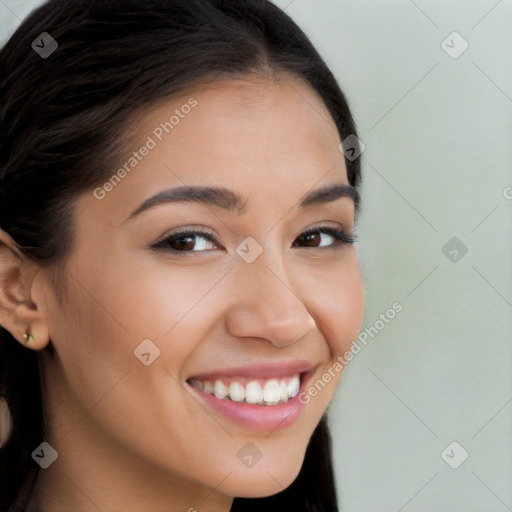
{"x": 64, "y": 121}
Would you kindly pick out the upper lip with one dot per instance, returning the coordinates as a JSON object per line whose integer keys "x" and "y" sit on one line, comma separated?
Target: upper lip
{"x": 260, "y": 370}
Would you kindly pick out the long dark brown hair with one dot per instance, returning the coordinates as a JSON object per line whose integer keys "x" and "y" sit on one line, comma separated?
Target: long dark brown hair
{"x": 63, "y": 121}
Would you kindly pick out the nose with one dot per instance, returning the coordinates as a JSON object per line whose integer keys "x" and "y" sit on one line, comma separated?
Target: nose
{"x": 264, "y": 304}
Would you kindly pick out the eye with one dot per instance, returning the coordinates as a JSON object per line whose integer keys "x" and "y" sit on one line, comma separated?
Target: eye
{"x": 311, "y": 236}
{"x": 184, "y": 243}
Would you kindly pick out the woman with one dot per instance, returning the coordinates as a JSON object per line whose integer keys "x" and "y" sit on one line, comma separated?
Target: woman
{"x": 178, "y": 261}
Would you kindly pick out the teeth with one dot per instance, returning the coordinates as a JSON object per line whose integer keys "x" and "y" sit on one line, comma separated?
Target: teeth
{"x": 271, "y": 391}
{"x": 283, "y": 392}
{"x": 253, "y": 393}
{"x": 293, "y": 386}
{"x": 220, "y": 390}
{"x": 264, "y": 392}
{"x": 236, "y": 392}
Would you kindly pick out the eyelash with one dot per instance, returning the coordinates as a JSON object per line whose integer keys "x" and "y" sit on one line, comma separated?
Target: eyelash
{"x": 341, "y": 238}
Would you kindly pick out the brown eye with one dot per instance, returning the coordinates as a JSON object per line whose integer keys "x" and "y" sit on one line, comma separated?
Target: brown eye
{"x": 312, "y": 238}
{"x": 189, "y": 243}
{"x": 186, "y": 242}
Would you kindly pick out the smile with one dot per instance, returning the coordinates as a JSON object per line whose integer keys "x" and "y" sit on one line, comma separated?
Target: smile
{"x": 269, "y": 392}
{"x": 261, "y": 398}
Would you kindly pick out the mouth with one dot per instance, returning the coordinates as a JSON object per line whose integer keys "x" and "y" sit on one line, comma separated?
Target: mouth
{"x": 264, "y": 401}
{"x": 268, "y": 392}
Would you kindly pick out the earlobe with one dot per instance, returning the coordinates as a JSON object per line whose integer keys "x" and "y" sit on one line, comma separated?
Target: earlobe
{"x": 35, "y": 335}
{"x": 19, "y": 315}
{"x": 28, "y": 338}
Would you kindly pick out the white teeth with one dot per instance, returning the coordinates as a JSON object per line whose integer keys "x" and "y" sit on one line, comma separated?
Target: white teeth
{"x": 274, "y": 391}
{"x": 293, "y": 386}
{"x": 271, "y": 391}
{"x": 220, "y": 390}
{"x": 236, "y": 392}
{"x": 253, "y": 393}
{"x": 283, "y": 392}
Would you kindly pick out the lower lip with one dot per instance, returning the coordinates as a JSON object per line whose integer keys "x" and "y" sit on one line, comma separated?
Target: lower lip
{"x": 260, "y": 418}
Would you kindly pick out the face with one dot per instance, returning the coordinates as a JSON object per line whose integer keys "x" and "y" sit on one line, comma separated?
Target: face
{"x": 254, "y": 300}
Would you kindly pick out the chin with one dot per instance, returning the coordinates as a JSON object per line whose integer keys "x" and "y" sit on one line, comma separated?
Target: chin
{"x": 259, "y": 483}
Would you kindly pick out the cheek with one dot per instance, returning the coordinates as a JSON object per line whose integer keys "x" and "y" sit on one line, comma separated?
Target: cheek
{"x": 92, "y": 345}
{"x": 339, "y": 303}
{"x": 152, "y": 298}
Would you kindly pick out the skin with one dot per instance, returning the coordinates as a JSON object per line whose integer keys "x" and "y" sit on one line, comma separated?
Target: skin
{"x": 130, "y": 436}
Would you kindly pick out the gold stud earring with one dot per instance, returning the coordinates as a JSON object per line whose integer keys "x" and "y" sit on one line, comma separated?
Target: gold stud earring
{"x": 29, "y": 338}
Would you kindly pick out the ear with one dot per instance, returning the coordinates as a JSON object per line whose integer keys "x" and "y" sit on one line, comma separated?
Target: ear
{"x": 19, "y": 314}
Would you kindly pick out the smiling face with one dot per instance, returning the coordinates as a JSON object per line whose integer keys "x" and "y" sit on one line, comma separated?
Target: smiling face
{"x": 250, "y": 303}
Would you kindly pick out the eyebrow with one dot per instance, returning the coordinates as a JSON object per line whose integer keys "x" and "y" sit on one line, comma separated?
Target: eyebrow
{"x": 229, "y": 200}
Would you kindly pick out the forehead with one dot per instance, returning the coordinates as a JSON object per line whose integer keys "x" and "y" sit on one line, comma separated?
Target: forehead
{"x": 258, "y": 113}
{"x": 256, "y": 136}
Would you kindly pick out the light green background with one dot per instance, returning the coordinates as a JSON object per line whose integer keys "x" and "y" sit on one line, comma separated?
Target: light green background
{"x": 437, "y": 165}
